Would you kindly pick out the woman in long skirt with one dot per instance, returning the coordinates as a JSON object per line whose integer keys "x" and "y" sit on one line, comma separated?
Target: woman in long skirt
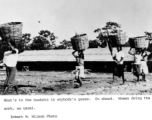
{"x": 10, "y": 61}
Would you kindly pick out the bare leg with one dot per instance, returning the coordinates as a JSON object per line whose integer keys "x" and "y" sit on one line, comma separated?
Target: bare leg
{"x": 144, "y": 77}
{"x": 6, "y": 89}
{"x": 138, "y": 78}
{"x": 16, "y": 89}
{"x": 113, "y": 79}
{"x": 77, "y": 78}
{"x": 123, "y": 79}
{"x": 80, "y": 81}
{"x": 7, "y": 76}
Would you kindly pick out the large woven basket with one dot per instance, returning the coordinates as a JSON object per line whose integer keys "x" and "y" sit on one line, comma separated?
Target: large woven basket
{"x": 141, "y": 42}
{"x": 11, "y": 31}
{"x": 80, "y": 42}
{"x": 118, "y": 40}
{"x": 121, "y": 38}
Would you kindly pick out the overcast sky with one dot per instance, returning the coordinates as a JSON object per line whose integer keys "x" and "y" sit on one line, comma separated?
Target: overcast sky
{"x": 65, "y": 17}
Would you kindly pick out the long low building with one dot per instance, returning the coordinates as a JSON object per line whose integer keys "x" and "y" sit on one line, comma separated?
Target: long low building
{"x": 97, "y": 54}
{"x": 58, "y": 60}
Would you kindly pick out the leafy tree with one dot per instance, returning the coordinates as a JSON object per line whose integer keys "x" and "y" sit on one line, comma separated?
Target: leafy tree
{"x": 148, "y": 35}
{"x": 45, "y": 40}
{"x": 66, "y": 44}
{"x": 20, "y": 45}
{"x": 97, "y": 30}
{"x": 26, "y": 37}
{"x": 50, "y": 37}
{"x": 94, "y": 43}
{"x": 111, "y": 28}
{"x": 60, "y": 47}
{"x": 45, "y": 33}
{"x": 40, "y": 43}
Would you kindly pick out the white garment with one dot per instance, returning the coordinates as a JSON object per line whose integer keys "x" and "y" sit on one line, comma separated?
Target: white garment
{"x": 137, "y": 59}
{"x": 10, "y": 59}
{"x": 119, "y": 55}
{"x": 80, "y": 71}
{"x": 144, "y": 67}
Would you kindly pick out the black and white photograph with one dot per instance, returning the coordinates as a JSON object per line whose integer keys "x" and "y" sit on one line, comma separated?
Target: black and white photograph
{"x": 75, "y": 48}
{"x": 88, "y": 47}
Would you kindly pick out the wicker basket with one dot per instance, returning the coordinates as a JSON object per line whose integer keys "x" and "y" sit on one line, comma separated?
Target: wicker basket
{"x": 141, "y": 42}
{"x": 121, "y": 38}
{"x": 80, "y": 42}
{"x": 11, "y": 31}
{"x": 118, "y": 40}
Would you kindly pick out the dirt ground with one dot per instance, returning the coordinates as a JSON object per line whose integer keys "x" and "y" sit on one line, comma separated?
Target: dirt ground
{"x": 63, "y": 83}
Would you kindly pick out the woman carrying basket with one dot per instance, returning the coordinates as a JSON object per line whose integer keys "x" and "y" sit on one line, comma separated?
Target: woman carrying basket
{"x": 10, "y": 61}
{"x": 119, "y": 61}
{"x": 137, "y": 62}
{"x": 80, "y": 66}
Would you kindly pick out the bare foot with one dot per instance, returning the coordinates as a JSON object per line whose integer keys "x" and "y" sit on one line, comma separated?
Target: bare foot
{"x": 76, "y": 85}
{"x": 122, "y": 83}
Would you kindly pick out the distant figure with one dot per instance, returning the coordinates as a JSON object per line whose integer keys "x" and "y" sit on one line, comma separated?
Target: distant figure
{"x": 137, "y": 62}
{"x": 119, "y": 64}
{"x": 80, "y": 66}
{"x": 10, "y": 61}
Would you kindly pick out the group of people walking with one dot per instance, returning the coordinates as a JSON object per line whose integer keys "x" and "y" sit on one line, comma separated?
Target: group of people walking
{"x": 140, "y": 68}
{"x": 140, "y": 63}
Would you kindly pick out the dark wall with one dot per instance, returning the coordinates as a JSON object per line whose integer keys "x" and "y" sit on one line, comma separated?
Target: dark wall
{"x": 64, "y": 66}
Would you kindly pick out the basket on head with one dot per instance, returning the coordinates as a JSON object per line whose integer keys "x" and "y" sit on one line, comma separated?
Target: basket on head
{"x": 118, "y": 39}
{"x": 141, "y": 42}
{"x": 80, "y": 42}
{"x": 11, "y": 31}
{"x": 121, "y": 38}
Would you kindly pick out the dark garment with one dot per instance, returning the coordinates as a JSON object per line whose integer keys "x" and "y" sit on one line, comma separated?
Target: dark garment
{"x": 118, "y": 70}
{"x": 10, "y": 72}
{"x": 79, "y": 61}
{"x": 136, "y": 69}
